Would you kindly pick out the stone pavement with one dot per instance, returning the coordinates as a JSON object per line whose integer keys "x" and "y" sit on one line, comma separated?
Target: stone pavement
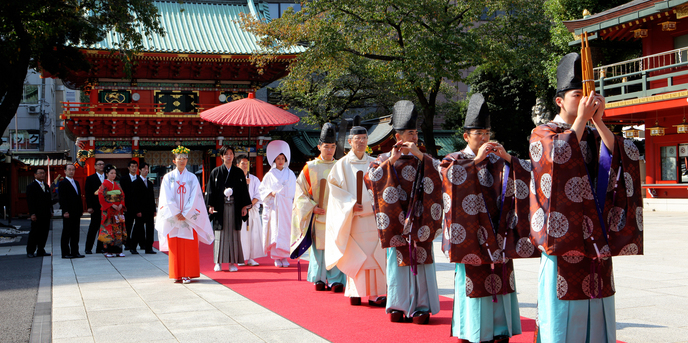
{"x": 131, "y": 299}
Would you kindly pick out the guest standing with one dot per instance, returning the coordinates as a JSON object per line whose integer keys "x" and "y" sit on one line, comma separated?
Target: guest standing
{"x": 277, "y": 193}
{"x": 127, "y": 182}
{"x": 143, "y": 189}
{"x": 113, "y": 233}
{"x": 228, "y": 202}
{"x": 93, "y": 182}
{"x": 72, "y": 210}
{"x": 182, "y": 219}
{"x": 41, "y": 210}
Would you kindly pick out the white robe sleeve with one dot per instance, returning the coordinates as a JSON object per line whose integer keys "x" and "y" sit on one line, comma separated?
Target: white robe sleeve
{"x": 339, "y": 215}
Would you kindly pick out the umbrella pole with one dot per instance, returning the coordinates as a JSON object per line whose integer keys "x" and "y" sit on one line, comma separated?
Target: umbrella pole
{"x": 249, "y": 145}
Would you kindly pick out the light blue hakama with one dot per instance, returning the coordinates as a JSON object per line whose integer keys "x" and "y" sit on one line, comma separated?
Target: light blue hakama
{"x": 579, "y": 321}
{"x": 480, "y": 319}
{"x": 318, "y": 272}
{"x": 409, "y": 293}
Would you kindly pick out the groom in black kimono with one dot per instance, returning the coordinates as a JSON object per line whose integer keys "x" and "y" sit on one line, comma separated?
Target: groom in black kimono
{"x": 228, "y": 176}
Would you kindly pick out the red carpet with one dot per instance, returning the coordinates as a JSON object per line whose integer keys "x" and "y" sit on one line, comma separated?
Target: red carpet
{"x": 327, "y": 314}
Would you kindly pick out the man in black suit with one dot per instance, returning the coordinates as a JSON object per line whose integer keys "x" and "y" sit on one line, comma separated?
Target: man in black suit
{"x": 145, "y": 211}
{"x": 72, "y": 209}
{"x": 93, "y": 182}
{"x": 130, "y": 201}
{"x": 41, "y": 210}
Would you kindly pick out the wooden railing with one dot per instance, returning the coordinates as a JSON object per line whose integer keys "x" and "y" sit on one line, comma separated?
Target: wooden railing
{"x": 645, "y": 76}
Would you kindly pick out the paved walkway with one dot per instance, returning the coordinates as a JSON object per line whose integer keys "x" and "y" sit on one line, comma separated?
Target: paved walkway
{"x": 131, "y": 299}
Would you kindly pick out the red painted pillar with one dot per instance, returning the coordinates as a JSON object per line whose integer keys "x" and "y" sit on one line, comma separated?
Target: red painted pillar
{"x": 135, "y": 147}
{"x": 89, "y": 145}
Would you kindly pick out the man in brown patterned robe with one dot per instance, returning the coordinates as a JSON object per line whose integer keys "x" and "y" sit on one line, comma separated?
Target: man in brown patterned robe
{"x": 485, "y": 193}
{"x": 586, "y": 207}
{"x": 405, "y": 186}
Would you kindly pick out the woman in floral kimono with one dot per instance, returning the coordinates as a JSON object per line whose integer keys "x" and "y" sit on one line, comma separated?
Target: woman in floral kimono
{"x": 182, "y": 219}
{"x": 113, "y": 233}
{"x": 277, "y": 194}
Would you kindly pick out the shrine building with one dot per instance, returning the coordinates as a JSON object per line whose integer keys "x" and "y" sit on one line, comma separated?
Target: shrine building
{"x": 202, "y": 61}
{"x": 648, "y": 94}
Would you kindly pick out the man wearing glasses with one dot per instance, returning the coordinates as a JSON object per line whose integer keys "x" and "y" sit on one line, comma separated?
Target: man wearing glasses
{"x": 93, "y": 182}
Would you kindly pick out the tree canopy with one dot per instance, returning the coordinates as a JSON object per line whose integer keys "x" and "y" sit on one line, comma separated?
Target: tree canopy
{"x": 45, "y": 33}
{"x": 410, "y": 47}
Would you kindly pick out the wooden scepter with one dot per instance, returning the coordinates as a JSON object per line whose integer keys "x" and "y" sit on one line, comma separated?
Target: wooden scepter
{"x": 586, "y": 66}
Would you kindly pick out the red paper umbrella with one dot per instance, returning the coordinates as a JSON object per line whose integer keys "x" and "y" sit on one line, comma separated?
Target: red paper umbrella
{"x": 249, "y": 112}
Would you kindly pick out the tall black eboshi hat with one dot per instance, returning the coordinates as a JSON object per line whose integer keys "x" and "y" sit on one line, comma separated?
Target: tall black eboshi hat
{"x": 404, "y": 116}
{"x": 478, "y": 114}
{"x": 328, "y": 134}
{"x": 569, "y": 75}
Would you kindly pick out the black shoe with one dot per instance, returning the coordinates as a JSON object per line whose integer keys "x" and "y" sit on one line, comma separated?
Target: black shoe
{"x": 421, "y": 317}
{"x": 67, "y": 256}
{"x": 378, "y": 302}
{"x": 355, "y": 301}
{"x": 88, "y": 252}
{"x": 396, "y": 316}
{"x": 133, "y": 251}
{"x": 337, "y": 287}
{"x": 30, "y": 255}
{"x": 150, "y": 252}
{"x": 43, "y": 254}
{"x": 78, "y": 256}
{"x": 320, "y": 286}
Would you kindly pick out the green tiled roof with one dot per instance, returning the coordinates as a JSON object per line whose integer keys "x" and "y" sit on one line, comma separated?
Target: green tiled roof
{"x": 445, "y": 139}
{"x": 201, "y": 28}
{"x": 306, "y": 140}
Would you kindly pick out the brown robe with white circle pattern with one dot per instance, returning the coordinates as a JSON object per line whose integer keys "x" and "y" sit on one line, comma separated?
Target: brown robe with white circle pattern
{"x": 391, "y": 186}
{"x": 472, "y": 204}
{"x": 564, "y": 219}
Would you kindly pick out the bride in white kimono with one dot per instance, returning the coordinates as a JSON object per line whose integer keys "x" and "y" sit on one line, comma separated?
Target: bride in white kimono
{"x": 277, "y": 194}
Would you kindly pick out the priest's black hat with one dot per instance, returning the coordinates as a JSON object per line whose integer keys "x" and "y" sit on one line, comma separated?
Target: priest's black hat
{"x": 328, "y": 133}
{"x": 404, "y": 116}
{"x": 569, "y": 75}
{"x": 358, "y": 130}
{"x": 478, "y": 114}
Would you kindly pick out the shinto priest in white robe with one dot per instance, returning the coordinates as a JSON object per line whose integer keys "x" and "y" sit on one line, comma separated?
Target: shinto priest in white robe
{"x": 182, "y": 194}
{"x": 277, "y": 209}
{"x": 352, "y": 243}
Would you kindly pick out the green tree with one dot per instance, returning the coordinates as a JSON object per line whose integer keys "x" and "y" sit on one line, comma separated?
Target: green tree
{"x": 510, "y": 100}
{"x": 354, "y": 87}
{"x": 415, "y": 44}
{"x": 44, "y": 34}
{"x": 603, "y": 51}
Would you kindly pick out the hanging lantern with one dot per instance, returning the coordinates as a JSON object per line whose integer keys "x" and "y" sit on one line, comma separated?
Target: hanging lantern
{"x": 668, "y": 26}
{"x": 657, "y": 130}
{"x": 683, "y": 127}
{"x": 631, "y": 133}
{"x": 640, "y": 33}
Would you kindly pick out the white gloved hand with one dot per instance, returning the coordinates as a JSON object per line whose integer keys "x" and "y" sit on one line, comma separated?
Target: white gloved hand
{"x": 229, "y": 192}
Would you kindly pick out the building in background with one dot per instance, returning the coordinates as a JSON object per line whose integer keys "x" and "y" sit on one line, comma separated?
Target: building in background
{"x": 33, "y": 139}
{"x": 651, "y": 90}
